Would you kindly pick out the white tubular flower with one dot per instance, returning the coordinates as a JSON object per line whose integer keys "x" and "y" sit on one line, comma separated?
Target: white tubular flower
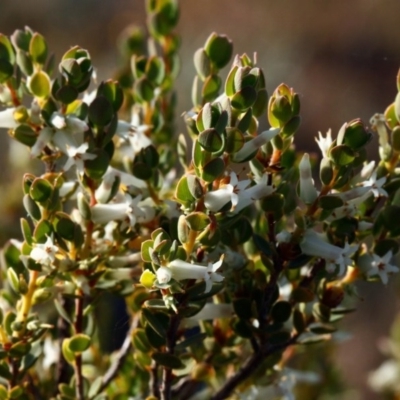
{"x": 308, "y": 192}
{"x": 130, "y": 210}
{"x": 134, "y": 134}
{"x": 124, "y": 262}
{"x": 210, "y": 311}
{"x": 181, "y": 270}
{"x": 375, "y": 185}
{"x": 253, "y": 145}
{"x": 51, "y": 352}
{"x": 236, "y": 193}
{"x": 76, "y": 156}
{"x": 258, "y": 191}
{"x": 44, "y": 253}
{"x": 7, "y": 118}
{"x": 103, "y": 192}
{"x": 42, "y": 141}
{"x": 314, "y": 245}
{"x": 381, "y": 266}
{"x": 127, "y": 179}
{"x": 324, "y": 143}
{"x": 69, "y": 123}
{"x": 216, "y": 199}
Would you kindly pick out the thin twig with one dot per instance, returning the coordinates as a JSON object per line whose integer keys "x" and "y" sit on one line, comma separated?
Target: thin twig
{"x": 119, "y": 359}
{"x": 249, "y": 368}
{"x": 62, "y": 333}
{"x": 155, "y": 390}
{"x": 167, "y": 372}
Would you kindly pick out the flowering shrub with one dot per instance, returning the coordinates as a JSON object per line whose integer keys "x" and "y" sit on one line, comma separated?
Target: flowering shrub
{"x": 229, "y": 256}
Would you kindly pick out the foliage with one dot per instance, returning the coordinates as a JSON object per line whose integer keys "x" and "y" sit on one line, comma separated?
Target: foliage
{"x": 227, "y": 254}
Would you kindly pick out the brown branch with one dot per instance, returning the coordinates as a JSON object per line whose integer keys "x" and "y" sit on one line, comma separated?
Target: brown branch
{"x": 249, "y": 368}
{"x": 120, "y": 357}
{"x": 167, "y": 372}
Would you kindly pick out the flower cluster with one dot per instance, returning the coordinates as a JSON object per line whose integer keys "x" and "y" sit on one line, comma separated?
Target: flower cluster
{"x": 227, "y": 257}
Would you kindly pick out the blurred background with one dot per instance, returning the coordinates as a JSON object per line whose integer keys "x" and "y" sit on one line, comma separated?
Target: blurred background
{"x": 342, "y": 57}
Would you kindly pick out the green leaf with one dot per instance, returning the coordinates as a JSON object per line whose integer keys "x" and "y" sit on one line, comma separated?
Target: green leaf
{"x": 281, "y": 311}
{"x": 395, "y": 138}
{"x": 261, "y": 103}
{"x": 213, "y": 170}
{"x": 62, "y": 312}
{"x": 244, "y": 98}
{"x": 97, "y": 167}
{"x": 41, "y": 190}
{"x": 210, "y": 140}
{"x": 281, "y": 109}
{"x": 168, "y": 360}
{"x": 155, "y": 70}
{"x": 79, "y": 343}
{"x": 140, "y": 341}
{"x": 219, "y": 49}
{"x": 243, "y": 308}
{"x": 319, "y": 328}
{"x": 230, "y": 82}
{"x": 100, "y": 111}
{"x": 38, "y": 49}
{"x": 67, "y": 94}
{"x": 67, "y": 353}
{"x": 7, "y": 52}
{"x": 197, "y": 221}
{"x": 202, "y": 63}
{"x": 211, "y": 87}
{"x": 144, "y": 89}
{"x": 65, "y": 228}
{"x": 329, "y": 202}
{"x": 299, "y": 321}
{"x": 31, "y": 207}
{"x": 342, "y": 155}
{"x": 6, "y": 70}
{"x": 157, "y": 321}
{"x": 26, "y": 230}
{"x": 112, "y": 91}
{"x": 39, "y": 84}
{"x": 182, "y": 192}
{"x": 42, "y": 231}
{"x": 291, "y": 127}
{"x": 355, "y": 135}
{"x": 25, "y": 135}
{"x": 234, "y": 140}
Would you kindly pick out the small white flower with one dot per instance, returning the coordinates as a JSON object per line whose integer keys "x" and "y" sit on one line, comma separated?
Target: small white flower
{"x": 129, "y": 210}
{"x": 42, "y": 141}
{"x": 127, "y": 179}
{"x": 7, "y": 118}
{"x": 69, "y": 123}
{"x": 376, "y": 185}
{"x": 314, "y": 245}
{"x": 51, "y": 352}
{"x": 44, "y": 253}
{"x": 236, "y": 193}
{"x": 324, "y": 143}
{"x": 76, "y": 156}
{"x": 386, "y": 377}
{"x": 254, "y": 144}
{"x": 181, "y": 270}
{"x": 381, "y": 266}
{"x": 164, "y": 275}
{"x": 308, "y": 192}
{"x": 216, "y": 199}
